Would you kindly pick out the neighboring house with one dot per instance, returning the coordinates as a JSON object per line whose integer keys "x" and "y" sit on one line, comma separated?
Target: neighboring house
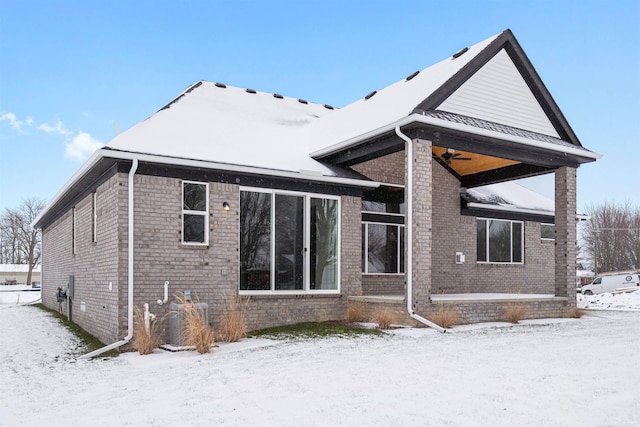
{"x": 16, "y": 274}
{"x": 303, "y": 207}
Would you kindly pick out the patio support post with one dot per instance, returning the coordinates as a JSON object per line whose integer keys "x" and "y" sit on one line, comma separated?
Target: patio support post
{"x": 421, "y": 224}
{"x": 565, "y": 238}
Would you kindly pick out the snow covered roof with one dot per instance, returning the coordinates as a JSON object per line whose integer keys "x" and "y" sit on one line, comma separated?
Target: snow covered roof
{"x": 218, "y": 127}
{"x": 243, "y": 127}
{"x": 392, "y": 103}
{"x": 230, "y": 125}
{"x": 510, "y": 196}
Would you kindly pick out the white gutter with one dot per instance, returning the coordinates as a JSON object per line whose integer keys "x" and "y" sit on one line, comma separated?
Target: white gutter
{"x": 409, "y": 227}
{"x": 130, "y": 231}
{"x": 434, "y": 121}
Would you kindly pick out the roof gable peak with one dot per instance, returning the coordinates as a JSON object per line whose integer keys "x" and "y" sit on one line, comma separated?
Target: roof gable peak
{"x": 506, "y": 48}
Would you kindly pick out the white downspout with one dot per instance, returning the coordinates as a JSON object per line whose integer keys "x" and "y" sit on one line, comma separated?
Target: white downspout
{"x": 125, "y": 340}
{"x": 409, "y": 209}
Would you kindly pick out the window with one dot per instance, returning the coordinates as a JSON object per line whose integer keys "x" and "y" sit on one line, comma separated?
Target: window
{"x": 383, "y": 231}
{"x": 382, "y": 248}
{"x": 499, "y": 241}
{"x": 547, "y": 231}
{"x": 288, "y": 241}
{"x": 94, "y": 217}
{"x": 195, "y": 213}
{"x": 73, "y": 230}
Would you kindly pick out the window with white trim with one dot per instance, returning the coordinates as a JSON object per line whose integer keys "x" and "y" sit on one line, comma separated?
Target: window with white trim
{"x": 383, "y": 230}
{"x": 500, "y": 241}
{"x": 195, "y": 213}
{"x": 289, "y": 241}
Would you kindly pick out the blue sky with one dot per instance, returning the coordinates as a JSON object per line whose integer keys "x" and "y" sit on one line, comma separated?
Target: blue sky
{"x": 71, "y": 71}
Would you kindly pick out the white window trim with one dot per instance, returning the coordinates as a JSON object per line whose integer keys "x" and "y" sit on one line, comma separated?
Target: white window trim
{"x": 511, "y": 243}
{"x": 204, "y": 213}
{"x": 366, "y": 246}
{"x": 307, "y": 240}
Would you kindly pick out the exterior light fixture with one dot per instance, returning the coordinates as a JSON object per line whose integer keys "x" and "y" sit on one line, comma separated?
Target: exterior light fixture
{"x": 225, "y": 206}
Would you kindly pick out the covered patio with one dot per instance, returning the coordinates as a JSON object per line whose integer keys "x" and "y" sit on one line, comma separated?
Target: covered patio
{"x": 482, "y": 117}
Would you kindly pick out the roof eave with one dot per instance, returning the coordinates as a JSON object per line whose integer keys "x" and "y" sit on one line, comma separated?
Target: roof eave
{"x": 416, "y": 118}
{"x": 106, "y": 153}
{"x": 86, "y": 167}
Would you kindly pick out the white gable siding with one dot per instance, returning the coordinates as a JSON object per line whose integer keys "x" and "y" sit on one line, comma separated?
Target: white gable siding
{"x": 498, "y": 93}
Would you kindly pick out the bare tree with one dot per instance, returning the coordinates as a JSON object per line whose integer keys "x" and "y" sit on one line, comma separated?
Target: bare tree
{"x": 21, "y": 243}
{"x": 611, "y": 237}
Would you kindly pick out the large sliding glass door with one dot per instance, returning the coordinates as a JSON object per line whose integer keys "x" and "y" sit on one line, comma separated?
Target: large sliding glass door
{"x": 289, "y": 241}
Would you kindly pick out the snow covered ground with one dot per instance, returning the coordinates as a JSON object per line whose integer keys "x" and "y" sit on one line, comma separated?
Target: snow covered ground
{"x": 554, "y": 372}
{"x": 609, "y": 301}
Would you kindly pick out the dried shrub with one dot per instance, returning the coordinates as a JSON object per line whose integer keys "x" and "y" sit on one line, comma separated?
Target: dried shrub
{"x": 355, "y": 312}
{"x": 515, "y": 312}
{"x": 383, "y": 318}
{"x": 196, "y": 331}
{"x": 144, "y": 341}
{"x": 575, "y": 312}
{"x": 445, "y": 317}
{"x": 233, "y": 324}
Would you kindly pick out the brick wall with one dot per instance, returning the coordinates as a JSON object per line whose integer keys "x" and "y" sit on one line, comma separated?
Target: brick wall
{"x": 383, "y": 284}
{"x": 95, "y": 265}
{"x": 388, "y": 169}
{"x": 422, "y": 224}
{"x": 453, "y": 233}
{"x": 210, "y": 272}
{"x": 565, "y": 233}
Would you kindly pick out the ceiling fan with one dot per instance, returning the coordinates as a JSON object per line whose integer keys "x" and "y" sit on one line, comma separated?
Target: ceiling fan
{"x": 451, "y": 154}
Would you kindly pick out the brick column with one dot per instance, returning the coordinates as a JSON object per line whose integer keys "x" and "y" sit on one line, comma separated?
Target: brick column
{"x": 422, "y": 224}
{"x": 565, "y": 225}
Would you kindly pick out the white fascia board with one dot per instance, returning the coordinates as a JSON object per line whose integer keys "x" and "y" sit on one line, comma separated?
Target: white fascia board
{"x": 503, "y": 208}
{"x": 434, "y": 121}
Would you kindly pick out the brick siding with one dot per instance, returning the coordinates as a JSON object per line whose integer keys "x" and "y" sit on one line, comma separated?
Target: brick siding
{"x": 211, "y": 272}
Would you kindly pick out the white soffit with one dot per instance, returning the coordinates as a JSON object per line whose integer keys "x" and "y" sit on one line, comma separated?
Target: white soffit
{"x": 498, "y": 93}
